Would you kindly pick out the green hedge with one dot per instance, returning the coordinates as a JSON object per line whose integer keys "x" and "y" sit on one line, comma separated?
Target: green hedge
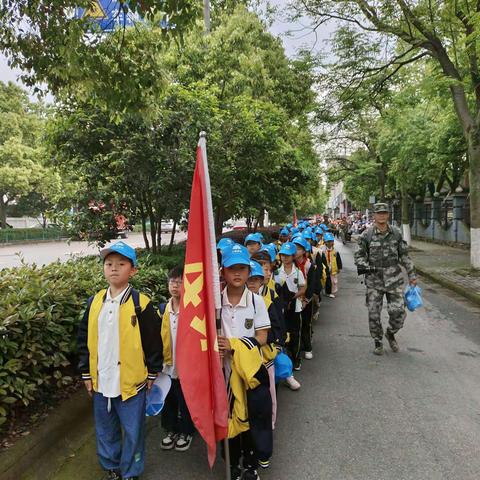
{"x": 39, "y": 312}
{"x": 8, "y": 235}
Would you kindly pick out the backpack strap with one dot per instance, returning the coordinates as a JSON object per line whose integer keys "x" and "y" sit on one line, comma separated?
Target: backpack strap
{"x": 136, "y": 302}
{"x": 162, "y": 307}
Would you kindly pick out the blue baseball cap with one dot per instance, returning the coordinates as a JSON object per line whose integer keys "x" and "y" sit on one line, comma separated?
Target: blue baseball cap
{"x": 122, "y": 249}
{"x": 235, "y": 255}
{"x": 288, "y": 248}
{"x": 223, "y": 243}
{"x": 253, "y": 237}
{"x": 256, "y": 269}
{"x": 303, "y": 243}
{"x": 271, "y": 249}
{"x": 294, "y": 230}
{"x": 308, "y": 235}
{"x": 284, "y": 232}
{"x": 328, "y": 237}
{"x": 289, "y": 226}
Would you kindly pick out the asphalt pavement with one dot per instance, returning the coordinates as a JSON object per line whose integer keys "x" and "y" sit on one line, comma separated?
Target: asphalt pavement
{"x": 47, "y": 252}
{"x": 411, "y": 415}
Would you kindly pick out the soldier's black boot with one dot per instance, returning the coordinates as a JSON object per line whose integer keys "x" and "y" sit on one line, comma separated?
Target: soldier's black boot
{"x": 392, "y": 342}
{"x": 378, "y": 348}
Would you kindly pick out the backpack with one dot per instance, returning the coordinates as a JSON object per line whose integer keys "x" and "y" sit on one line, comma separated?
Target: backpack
{"x": 135, "y": 298}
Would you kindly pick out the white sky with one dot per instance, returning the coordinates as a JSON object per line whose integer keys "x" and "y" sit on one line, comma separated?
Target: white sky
{"x": 300, "y": 38}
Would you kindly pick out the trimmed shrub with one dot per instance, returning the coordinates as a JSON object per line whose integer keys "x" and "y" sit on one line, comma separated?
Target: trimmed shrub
{"x": 9, "y": 235}
{"x": 40, "y": 309}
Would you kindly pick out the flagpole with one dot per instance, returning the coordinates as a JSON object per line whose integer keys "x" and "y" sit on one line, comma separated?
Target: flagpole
{"x": 216, "y": 281}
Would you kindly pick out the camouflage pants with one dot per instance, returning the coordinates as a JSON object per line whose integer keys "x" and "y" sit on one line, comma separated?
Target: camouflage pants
{"x": 395, "y": 308}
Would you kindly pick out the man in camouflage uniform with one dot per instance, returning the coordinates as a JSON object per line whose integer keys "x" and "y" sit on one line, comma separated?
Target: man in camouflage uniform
{"x": 380, "y": 254}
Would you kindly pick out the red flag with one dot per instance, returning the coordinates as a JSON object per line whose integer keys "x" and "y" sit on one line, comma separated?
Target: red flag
{"x": 198, "y": 360}
{"x": 295, "y": 221}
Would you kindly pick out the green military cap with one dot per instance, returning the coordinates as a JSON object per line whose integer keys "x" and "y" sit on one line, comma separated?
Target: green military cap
{"x": 381, "y": 207}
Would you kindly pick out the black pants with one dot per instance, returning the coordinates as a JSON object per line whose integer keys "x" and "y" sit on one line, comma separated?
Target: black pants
{"x": 175, "y": 415}
{"x": 307, "y": 315}
{"x": 242, "y": 446}
{"x": 294, "y": 328}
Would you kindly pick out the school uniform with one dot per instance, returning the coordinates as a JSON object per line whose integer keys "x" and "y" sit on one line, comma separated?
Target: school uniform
{"x": 175, "y": 415}
{"x": 334, "y": 262}
{"x": 291, "y": 283}
{"x": 241, "y": 322}
{"x": 120, "y": 348}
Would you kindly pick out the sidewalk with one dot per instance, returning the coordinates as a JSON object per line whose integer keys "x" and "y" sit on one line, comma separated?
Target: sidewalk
{"x": 448, "y": 266}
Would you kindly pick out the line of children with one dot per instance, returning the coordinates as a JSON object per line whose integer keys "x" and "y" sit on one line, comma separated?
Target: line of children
{"x": 269, "y": 295}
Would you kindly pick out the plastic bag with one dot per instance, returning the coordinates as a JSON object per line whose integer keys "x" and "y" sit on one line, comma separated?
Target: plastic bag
{"x": 413, "y": 297}
{"x": 283, "y": 367}
{"x": 157, "y": 394}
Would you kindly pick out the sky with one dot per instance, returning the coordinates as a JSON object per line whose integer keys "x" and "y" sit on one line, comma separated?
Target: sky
{"x": 300, "y": 37}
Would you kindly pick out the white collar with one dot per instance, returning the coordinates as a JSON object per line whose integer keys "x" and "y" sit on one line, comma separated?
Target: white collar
{"x": 241, "y": 303}
{"x": 119, "y": 297}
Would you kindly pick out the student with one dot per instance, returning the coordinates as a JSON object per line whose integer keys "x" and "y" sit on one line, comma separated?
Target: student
{"x": 256, "y": 284}
{"x": 334, "y": 262}
{"x": 284, "y": 234}
{"x": 245, "y": 322}
{"x": 293, "y": 284}
{"x": 303, "y": 262}
{"x": 253, "y": 242}
{"x": 120, "y": 351}
{"x": 176, "y": 419}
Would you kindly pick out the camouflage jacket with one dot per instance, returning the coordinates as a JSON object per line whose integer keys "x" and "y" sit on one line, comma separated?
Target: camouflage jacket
{"x": 387, "y": 252}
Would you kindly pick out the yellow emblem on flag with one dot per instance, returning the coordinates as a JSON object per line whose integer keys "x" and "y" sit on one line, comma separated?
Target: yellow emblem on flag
{"x": 192, "y": 289}
{"x": 95, "y": 10}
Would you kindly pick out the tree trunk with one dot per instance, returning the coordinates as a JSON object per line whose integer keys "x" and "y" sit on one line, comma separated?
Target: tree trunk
{"x": 474, "y": 174}
{"x": 172, "y": 236}
{"x": 3, "y": 212}
{"x": 219, "y": 219}
{"x": 144, "y": 231}
{"x": 407, "y": 235}
{"x": 159, "y": 233}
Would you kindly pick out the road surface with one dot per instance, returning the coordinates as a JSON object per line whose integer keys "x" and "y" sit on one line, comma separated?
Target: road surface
{"x": 414, "y": 415}
{"x": 44, "y": 253}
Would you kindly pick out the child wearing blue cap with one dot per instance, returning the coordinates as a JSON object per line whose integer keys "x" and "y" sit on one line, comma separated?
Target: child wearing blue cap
{"x": 293, "y": 284}
{"x": 253, "y": 242}
{"x": 334, "y": 263}
{"x": 120, "y": 355}
{"x": 244, "y": 316}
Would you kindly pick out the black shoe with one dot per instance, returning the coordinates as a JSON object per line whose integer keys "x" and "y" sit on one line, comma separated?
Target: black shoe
{"x": 378, "y": 348}
{"x": 298, "y": 365}
{"x": 235, "y": 473}
{"x": 250, "y": 474}
{"x": 392, "y": 342}
{"x": 113, "y": 475}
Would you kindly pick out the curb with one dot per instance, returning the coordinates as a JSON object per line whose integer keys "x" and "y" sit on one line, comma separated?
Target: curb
{"x": 51, "y": 443}
{"x": 473, "y": 297}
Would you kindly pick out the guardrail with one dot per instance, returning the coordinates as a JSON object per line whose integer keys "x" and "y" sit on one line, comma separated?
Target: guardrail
{"x": 14, "y": 235}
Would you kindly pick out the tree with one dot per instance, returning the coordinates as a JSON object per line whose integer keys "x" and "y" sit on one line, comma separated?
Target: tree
{"x": 447, "y": 33}
{"x": 20, "y": 148}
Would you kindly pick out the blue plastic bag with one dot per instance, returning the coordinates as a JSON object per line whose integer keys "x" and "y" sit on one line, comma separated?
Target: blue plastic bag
{"x": 413, "y": 297}
{"x": 283, "y": 367}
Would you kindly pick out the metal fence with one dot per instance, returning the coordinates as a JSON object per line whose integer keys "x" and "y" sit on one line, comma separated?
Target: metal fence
{"x": 13, "y": 235}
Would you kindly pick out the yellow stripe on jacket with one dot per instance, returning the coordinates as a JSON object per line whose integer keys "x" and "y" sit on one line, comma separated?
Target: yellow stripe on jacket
{"x": 133, "y": 371}
{"x": 332, "y": 264}
{"x": 166, "y": 336}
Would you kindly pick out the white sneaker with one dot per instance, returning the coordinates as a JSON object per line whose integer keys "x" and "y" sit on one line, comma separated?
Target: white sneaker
{"x": 308, "y": 355}
{"x": 169, "y": 441}
{"x": 292, "y": 383}
{"x": 183, "y": 442}
{"x": 331, "y": 295}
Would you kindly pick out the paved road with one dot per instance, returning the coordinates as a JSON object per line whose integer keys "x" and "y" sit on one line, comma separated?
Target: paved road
{"x": 412, "y": 415}
{"x": 43, "y": 253}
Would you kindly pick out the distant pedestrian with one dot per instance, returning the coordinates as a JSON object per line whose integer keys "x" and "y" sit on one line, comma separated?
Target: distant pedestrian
{"x": 381, "y": 252}
{"x": 120, "y": 350}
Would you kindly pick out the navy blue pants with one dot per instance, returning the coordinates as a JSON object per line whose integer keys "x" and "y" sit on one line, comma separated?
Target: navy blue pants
{"x": 175, "y": 415}
{"x": 121, "y": 433}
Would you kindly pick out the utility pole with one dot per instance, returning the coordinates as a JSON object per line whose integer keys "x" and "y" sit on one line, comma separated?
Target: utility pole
{"x": 206, "y": 15}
